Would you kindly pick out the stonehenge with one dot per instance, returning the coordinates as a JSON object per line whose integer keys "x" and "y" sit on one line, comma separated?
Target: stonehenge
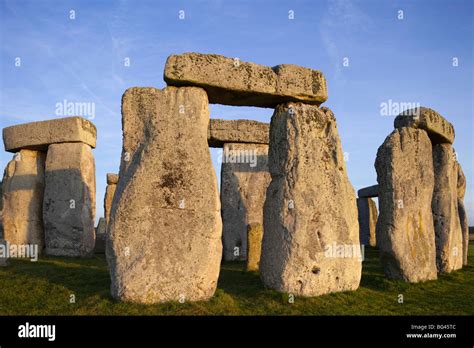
{"x": 163, "y": 240}
{"x": 254, "y": 242}
{"x": 229, "y": 81}
{"x": 367, "y": 215}
{"x": 405, "y": 231}
{"x": 112, "y": 180}
{"x": 421, "y": 229}
{"x": 244, "y": 181}
{"x": 69, "y": 200}
{"x": 310, "y": 210}
{"x": 286, "y": 207}
{"x": 449, "y": 236}
{"x": 48, "y": 190}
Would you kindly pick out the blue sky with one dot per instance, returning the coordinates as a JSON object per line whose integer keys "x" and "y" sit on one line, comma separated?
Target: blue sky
{"x": 407, "y": 59}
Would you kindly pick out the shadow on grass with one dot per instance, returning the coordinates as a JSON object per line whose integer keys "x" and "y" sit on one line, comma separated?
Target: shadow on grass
{"x": 83, "y": 277}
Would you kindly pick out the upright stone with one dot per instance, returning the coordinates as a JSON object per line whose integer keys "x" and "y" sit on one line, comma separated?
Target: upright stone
{"x": 244, "y": 182}
{"x": 23, "y": 190}
{"x": 164, "y": 236}
{"x": 112, "y": 180}
{"x": 233, "y": 82}
{"x": 310, "y": 211}
{"x": 367, "y": 211}
{"x": 69, "y": 200}
{"x": 449, "y": 238}
{"x": 254, "y": 242}
{"x": 461, "y": 181}
{"x": 405, "y": 233}
{"x": 100, "y": 232}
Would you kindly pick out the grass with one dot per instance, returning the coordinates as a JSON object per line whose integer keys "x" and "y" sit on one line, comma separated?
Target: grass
{"x": 45, "y": 288}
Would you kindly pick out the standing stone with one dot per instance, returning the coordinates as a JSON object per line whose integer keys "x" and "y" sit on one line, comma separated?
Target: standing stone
{"x": 449, "y": 245}
{"x": 69, "y": 200}
{"x": 112, "y": 180}
{"x": 254, "y": 241}
{"x": 100, "y": 232}
{"x": 405, "y": 233}
{"x": 23, "y": 189}
{"x": 310, "y": 212}
{"x": 1, "y": 209}
{"x": 367, "y": 220}
{"x": 461, "y": 181}
{"x": 244, "y": 181}
{"x": 164, "y": 236}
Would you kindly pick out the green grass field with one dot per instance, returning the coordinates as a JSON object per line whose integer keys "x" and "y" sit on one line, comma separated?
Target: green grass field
{"x": 45, "y": 288}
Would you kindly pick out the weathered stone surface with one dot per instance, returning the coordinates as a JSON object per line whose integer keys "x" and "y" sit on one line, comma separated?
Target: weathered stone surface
{"x": 108, "y": 199}
{"x": 23, "y": 189}
{"x": 310, "y": 210}
{"x": 367, "y": 220}
{"x": 69, "y": 200}
{"x": 405, "y": 233}
{"x": 1, "y": 209}
{"x": 244, "y": 181}
{"x": 100, "y": 232}
{"x": 232, "y": 82}
{"x": 39, "y": 135}
{"x": 237, "y": 131}
{"x": 112, "y": 179}
{"x": 438, "y": 128}
{"x": 164, "y": 236}
{"x": 254, "y": 242}
{"x": 447, "y": 226}
{"x": 461, "y": 190}
{"x": 368, "y": 192}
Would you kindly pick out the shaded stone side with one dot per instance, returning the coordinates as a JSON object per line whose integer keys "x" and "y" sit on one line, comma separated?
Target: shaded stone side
{"x": 405, "y": 232}
{"x": 367, "y": 212}
{"x": 310, "y": 210}
{"x": 109, "y": 196}
{"x": 69, "y": 200}
{"x": 100, "y": 231}
{"x": 163, "y": 240}
{"x": 232, "y": 82}
{"x": 23, "y": 190}
{"x": 461, "y": 191}
{"x": 244, "y": 181}
{"x": 254, "y": 242}
{"x": 447, "y": 226}
{"x": 368, "y": 192}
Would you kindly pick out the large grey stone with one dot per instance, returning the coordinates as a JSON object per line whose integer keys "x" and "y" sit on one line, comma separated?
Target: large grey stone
{"x": 367, "y": 211}
{"x": 23, "y": 189}
{"x": 405, "y": 232}
{"x": 39, "y": 135}
{"x": 461, "y": 190}
{"x": 108, "y": 199}
{"x": 368, "y": 192}
{"x": 69, "y": 200}
{"x": 438, "y": 128}
{"x": 232, "y": 82}
{"x": 447, "y": 226}
{"x": 311, "y": 233}
{"x": 237, "y": 131}
{"x": 244, "y": 181}
{"x": 100, "y": 232}
{"x": 254, "y": 242}
{"x": 164, "y": 235}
